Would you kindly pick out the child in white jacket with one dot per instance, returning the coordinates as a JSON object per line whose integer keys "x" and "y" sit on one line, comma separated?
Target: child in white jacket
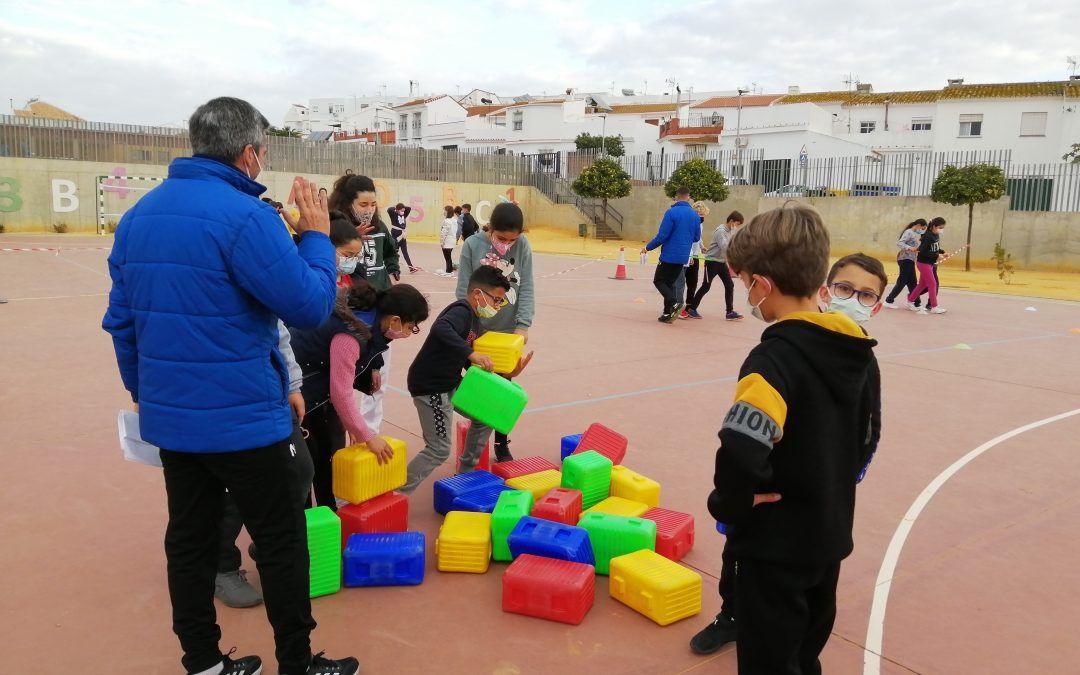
{"x": 447, "y": 238}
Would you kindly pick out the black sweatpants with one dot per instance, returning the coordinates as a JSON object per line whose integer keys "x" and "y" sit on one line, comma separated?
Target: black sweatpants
{"x": 325, "y": 437}
{"x": 446, "y": 253}
{"x": 231, "y": 522}
{"x": 715, "y": 269}
{"x": 691, "y": 274}
{"x": 664, "y": 280}
{"x": 728, "y": 602}
{"x": 907, "y": 278}
{"x": 786, "y": 613}
{"x": 263, "y": 483}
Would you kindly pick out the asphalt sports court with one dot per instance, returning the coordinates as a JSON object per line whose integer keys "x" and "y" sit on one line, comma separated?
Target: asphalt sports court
{"x": 966, "y": 535}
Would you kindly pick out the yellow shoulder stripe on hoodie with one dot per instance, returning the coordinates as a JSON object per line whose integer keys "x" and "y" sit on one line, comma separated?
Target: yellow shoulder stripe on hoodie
{"x": 834, "y": 321}
{"x": 756, "y": 391}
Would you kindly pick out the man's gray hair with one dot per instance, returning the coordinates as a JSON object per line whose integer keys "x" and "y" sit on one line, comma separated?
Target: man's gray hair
{"x": 224, "y": 126}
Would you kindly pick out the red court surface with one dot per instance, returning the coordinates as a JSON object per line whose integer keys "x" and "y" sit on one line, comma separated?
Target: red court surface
{"x": 986, "y": 580}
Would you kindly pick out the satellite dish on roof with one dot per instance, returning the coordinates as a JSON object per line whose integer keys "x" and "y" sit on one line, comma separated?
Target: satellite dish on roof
{"x": 627, "y": 92}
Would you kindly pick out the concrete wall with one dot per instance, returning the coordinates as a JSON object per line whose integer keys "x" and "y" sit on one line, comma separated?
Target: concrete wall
{"x": 37, "y": 194}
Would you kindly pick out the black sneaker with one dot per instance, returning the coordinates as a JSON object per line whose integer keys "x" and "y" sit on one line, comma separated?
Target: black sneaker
{"x": 502, "y": 453}
{"x": 245, "y": 665}
{"x": 324, "y": 666}
{"x": 714, "y": 636}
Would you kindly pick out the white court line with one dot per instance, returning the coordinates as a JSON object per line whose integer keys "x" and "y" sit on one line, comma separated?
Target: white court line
{"x": 875, "y": 629}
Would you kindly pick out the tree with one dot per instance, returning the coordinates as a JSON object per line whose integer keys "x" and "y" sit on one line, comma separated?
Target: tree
{"x": 288, "y": 132}
{"x": 971, "y": 185}
{"x": 703, "y": 181}
{"x": 604, "y": 180}
{"x": 1073, "y": 155}
{"x": 611, "y": 145}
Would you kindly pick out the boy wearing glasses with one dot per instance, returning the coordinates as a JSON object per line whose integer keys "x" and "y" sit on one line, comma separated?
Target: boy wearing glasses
{"x": 436, "y": 372}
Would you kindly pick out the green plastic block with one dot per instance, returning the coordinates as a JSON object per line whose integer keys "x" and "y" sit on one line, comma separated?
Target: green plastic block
{"x": 324, "y": 550}
{"x": 612, "y": 536}
{"x": 511, "y": 507}
{"x": 492, "y": 400}
{"x": 589, "y": 472}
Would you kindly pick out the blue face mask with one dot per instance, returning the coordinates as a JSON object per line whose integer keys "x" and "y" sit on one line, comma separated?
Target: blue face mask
{"x": 347, "y": 265}
{"x": 851, "y": 307}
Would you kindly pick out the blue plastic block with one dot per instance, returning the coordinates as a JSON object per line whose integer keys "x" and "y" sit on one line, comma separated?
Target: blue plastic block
{"x": 569, "y": 444}
{"x": 550, "y": 540}
{"x": 384, "y": 559}
{"x": 448, "y": 489}
{"x": 482, "y": 500}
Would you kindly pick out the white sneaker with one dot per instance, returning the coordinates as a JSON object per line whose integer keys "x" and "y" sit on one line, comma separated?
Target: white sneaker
{"x": 911, "y": 306}
{"x": 891, "y": 305}
{"x": 921, "y": 311}
{"x": 938, "y": 310}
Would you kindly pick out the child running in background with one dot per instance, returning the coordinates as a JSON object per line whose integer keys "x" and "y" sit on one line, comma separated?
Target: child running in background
{"x": 436, "y": 372}
{"x": 926, "y": 261}
{"x": 716, "y": 266}
{"x": 905, "y": 260}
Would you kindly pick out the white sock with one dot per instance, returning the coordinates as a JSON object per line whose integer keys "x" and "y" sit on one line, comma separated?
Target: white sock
{"x": 212, "y": 670}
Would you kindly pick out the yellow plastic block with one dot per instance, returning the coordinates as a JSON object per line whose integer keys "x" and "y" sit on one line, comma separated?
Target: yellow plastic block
{"x": 632, "y": 485}
{"x": 617, "y": 506}
{"x": 358, "y": 476}
{"x": 464, "y": 542}
{"x": 505, "y": 349}
{"x": 649, "y": 583}
{"x": 539, "y": 483}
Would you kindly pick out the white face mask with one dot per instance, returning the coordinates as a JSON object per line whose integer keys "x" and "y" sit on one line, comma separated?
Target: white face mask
{"x": 755, "y": 310}
{"x": 486, "y": 311}
{"x": 348, "y": 265}
{"x": 851, "y": 307}
{"x": 259, "y": 173}
{"x": 364, "y": 216}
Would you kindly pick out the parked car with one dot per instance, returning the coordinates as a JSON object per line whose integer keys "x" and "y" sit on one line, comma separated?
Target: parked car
{"x": 800, "y": 191}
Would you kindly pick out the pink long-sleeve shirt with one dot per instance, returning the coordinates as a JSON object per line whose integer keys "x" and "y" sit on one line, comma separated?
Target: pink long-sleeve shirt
{"x": 344, "y": 351}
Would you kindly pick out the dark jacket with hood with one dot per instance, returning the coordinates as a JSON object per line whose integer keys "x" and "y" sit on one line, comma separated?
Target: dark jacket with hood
{"x": 799, "y": 427}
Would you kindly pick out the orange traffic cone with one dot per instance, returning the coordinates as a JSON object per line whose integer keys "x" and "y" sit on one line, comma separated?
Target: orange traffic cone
{"x": 620, "y": 268}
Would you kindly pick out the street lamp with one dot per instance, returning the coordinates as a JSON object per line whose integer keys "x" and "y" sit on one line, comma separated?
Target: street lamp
{"x": 738, "y": 134}
{"x": 603, "y": 135}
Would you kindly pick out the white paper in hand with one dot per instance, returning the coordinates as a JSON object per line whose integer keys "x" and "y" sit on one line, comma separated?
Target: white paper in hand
{"x": 131, "y": 442}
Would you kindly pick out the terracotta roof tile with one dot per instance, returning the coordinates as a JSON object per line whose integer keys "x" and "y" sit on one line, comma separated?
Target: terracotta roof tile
{"x": 474, "y": 110}
{"x": 643, "y": 108}
{"x": 420, "y": 101}
{"x": 961, "y": 91}
{"x": 733, "y": 101}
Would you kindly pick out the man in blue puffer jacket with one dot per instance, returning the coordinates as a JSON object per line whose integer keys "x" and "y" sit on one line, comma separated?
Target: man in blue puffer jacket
{"x": 201, "y": 271}
{"x": 679, "y": 229}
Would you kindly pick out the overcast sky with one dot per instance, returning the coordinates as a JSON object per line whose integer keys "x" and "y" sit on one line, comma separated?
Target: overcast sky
{"x": 152, "y": 63}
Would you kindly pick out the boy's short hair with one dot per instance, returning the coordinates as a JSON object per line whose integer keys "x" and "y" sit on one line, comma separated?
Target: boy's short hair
{"x": 466, "y": 207}
{"x": 789, "y": 245}
{"x": 399, "y": 206}
{"x": 682, "y": 192}
{"x": 736, "y": 216}
{"x": 871, "y": 265}
{"x": 506, "y": 216}
{"x": 488, "y": 277}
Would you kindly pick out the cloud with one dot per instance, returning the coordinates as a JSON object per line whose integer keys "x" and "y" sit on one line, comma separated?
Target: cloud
{"x": 155, "y": 63}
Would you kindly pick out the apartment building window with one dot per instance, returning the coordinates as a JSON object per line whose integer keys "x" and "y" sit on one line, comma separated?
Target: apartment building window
{"x": 867, "y": 127}
{"x": 696, "y": 149}
{"x": 404, "y": 125}
{"x": 314, "y": 108}
{"x": 971, "y": 126}
{"x": 518, "y": 119}
{"x": 417, "y": 133}
{"x": 1033, "y": 124}
{"x": 922, "y": 124}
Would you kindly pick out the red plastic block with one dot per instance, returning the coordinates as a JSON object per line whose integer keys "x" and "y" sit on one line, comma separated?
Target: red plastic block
{"x": 674, "y": 532}
{"x": 461, "y": 428}
{"x": 521, "y": 467}
{"x": 561, "y": 505}
{"x": 385, "y": 513}
{"x": 557, "y": 590}
{"x": 609, "y": 443}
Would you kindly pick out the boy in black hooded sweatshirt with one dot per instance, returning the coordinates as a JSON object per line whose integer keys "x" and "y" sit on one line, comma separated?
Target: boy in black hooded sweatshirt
{"x": 791, "y": 447}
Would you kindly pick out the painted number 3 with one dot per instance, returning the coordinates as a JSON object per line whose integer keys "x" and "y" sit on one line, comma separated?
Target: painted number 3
{"x": 10, "y": 201}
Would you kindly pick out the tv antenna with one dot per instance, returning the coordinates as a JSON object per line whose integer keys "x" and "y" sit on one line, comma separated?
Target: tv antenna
{"x": 1074, "y": 64}
{"x": 850, "y": 79}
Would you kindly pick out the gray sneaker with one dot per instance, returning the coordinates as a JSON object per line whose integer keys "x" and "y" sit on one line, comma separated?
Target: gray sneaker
{"x": 233, "y": 589}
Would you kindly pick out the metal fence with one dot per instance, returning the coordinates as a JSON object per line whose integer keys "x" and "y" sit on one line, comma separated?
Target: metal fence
{"x": 1032, "y": 187}
{"x": 123, "y": 144}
